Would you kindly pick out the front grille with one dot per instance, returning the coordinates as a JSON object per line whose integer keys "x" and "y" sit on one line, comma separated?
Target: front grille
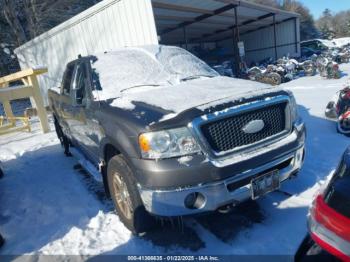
{"x": 226, "y": 134}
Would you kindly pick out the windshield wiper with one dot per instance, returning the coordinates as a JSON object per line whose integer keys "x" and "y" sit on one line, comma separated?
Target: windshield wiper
{"x": 194, "y": 77}
{"x": 125, "y": 89}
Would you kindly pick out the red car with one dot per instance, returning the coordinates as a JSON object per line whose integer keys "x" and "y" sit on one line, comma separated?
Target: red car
{"x": 329, "y": 217}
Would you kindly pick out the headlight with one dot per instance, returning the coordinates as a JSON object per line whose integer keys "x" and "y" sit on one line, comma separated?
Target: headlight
{"x": 293, "y": 108}
{"x": 168, "y": 143}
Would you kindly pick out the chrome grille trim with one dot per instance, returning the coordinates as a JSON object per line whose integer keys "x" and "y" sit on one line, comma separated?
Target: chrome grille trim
{"x": 197, "y": 123}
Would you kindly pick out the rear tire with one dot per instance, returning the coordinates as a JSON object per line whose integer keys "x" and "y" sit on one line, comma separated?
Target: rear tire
{"x": 126, "y": 198}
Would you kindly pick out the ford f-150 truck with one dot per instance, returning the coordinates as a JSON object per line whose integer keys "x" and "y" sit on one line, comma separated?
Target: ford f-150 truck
{"x": 171, "y": 137}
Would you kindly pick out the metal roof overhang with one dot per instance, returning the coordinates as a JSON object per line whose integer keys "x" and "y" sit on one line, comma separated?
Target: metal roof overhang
{"x": 211, "y": 20}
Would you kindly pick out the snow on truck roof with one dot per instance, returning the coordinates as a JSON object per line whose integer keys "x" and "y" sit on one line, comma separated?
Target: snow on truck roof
{"x": 153, "y": 65}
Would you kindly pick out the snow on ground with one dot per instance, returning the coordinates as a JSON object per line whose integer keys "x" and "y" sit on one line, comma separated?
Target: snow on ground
{"x": 49, "y": 206}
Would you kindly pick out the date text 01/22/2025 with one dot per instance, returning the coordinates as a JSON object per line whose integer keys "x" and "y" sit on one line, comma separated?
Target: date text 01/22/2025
{"x": 173, "y": 258}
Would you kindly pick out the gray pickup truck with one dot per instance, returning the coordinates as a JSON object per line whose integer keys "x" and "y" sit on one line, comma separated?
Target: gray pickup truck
{"x": 170, "y": 137}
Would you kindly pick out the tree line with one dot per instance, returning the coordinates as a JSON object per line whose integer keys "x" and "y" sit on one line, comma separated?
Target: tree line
{"x": 328, "y": 26}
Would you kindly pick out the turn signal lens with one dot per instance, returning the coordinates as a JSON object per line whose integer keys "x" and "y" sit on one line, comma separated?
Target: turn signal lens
{"x": 144, "y": 143}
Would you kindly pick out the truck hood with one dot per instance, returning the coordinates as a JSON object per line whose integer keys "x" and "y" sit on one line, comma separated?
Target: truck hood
{"x": 166, "y": 102}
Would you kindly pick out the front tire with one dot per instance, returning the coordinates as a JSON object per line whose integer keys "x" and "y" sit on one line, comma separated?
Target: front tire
{"x": 126, "y": 198}
{"x": 62, "y": 137}
{"x": 2, "y": 241}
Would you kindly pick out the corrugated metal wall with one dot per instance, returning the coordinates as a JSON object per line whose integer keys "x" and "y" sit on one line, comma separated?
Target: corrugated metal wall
{"x": 108, "y": 25}
{"x": 259, "y": 44}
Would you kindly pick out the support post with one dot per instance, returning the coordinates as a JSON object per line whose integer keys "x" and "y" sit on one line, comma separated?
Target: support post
{"x": 274, "y": 36}
{"x": 185, "y": 37}
{"x": 8, "y": 109}
{"x": 237, "y": 58}
{"x": 39, "y": 103}
{"x": 30, "y": 89}
{"x": 296, "y": 34}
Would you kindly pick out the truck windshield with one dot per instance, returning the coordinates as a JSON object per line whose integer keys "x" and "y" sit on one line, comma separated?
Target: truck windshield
{"x": 182, "y": 64}
{"x": 119, "y": 71}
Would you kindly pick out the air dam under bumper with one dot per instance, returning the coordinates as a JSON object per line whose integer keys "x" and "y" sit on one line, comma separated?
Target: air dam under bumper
{"x": 214, "y": 195}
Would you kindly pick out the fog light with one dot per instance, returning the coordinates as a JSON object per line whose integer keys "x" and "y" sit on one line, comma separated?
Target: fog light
{"x": 194, "y": 200}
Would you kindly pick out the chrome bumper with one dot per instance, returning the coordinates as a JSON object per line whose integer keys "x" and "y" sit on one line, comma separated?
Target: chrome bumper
{"x": 217, "y": 194}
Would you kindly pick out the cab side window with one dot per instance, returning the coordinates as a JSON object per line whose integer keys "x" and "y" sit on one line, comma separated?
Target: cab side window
{"x": 67, "y": 78}
{"x": 80, "y": 83}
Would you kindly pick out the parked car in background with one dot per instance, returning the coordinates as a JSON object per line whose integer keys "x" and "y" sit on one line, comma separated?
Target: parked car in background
{"x": 329, "y": 216}
{"x": 317, "y": 44}
{"x": 308, "y": 52}
{"x": 171, "y": 137}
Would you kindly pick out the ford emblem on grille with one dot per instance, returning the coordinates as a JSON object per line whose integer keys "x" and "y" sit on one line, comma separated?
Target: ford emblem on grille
{"x": 253, "y": 126}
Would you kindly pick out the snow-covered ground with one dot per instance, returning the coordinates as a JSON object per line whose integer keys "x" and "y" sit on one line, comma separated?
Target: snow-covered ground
{"x": 49, "y": 206}
{"x": 340, "y": 42}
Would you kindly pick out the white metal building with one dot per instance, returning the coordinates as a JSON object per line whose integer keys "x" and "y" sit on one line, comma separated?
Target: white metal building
{"x": 209, "y": 25}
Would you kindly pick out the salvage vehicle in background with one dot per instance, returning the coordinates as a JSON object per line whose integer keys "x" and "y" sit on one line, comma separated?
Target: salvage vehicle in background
{"x": 171, "y": 137}
{"x": 327, "y": 67}
{"x": 318, "y": 45}
{"x": 329, "y": 217}
{"x": 307, "y": 52}
{"x": 339, "y": 109}
{"x": 264, "y": 75}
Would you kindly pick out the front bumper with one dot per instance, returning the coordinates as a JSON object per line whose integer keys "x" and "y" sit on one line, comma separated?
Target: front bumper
{"x": 235, "y": 189}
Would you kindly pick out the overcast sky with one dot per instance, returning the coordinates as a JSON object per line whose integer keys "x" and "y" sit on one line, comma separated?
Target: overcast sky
{"x": 317, "y": 6}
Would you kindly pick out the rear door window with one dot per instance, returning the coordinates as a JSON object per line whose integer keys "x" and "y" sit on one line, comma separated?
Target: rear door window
{"x": 338, "y": 194}
{"x": 80, "y": 81}
{"x": 67, "y": 79}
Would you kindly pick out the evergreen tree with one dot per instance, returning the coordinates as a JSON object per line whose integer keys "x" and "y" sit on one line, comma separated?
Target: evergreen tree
{"x": 308, "y": 29}
{"x": 325, "y": 24}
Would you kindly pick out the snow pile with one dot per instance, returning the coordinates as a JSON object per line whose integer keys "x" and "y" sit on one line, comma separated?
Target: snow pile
{"x": 340, "y": 42}
{"x": 60, "y": 211}
{"x": 336, "y": 42}
{"x": 327, "y": 43}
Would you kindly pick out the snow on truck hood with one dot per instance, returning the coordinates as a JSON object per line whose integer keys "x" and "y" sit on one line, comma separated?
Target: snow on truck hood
{"x": 165, "y": 77}
{"x": 201, "y": 93}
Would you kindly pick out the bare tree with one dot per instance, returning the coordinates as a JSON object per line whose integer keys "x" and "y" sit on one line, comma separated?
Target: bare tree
{"x": 22, "y": 20}
{"x": 30, "y": 18}
{"x": 12, "y": 17}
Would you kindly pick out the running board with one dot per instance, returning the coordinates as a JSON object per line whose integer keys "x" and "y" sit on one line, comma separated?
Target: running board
{"x": 87, "y": 165}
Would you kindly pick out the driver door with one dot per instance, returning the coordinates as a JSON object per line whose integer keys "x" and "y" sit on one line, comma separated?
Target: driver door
{"x": 83, "y": 126}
